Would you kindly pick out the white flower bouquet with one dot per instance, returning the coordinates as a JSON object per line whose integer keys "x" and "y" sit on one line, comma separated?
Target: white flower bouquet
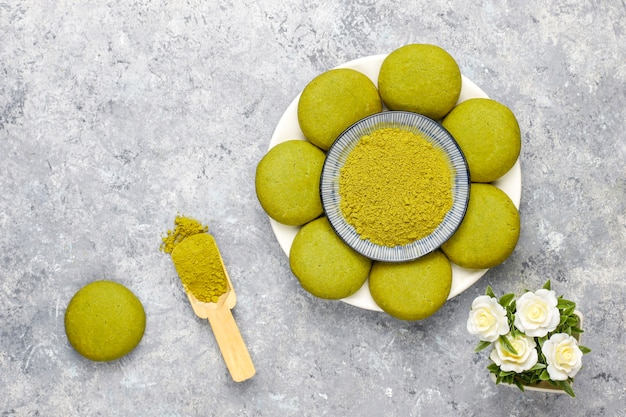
{"x": 534, "y": 338}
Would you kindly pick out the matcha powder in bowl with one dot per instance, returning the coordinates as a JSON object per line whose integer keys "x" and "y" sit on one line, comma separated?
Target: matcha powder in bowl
{"x": 395, "y": 186}
{"x": 411, "y": 194}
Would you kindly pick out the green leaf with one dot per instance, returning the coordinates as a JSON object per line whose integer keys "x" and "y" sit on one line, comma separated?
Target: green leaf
{"x": 544, "y": 376}
{"x": 538, "y": 366}
{"x": 505, "y": 300}
{"x": 504, "y": 341}
{"x": 577, "y": 330}
{"x": 541, "y": 341}
{"x": 482, "y": 345}
{"x": 512, "y": 306}
{"x": 509, "y": 379}
{"x": 567, "y": 387}
{"x": 563, "y": 303}
{"x": 489, "y": 292}
{"x": 533, "y": 379}
{"x": 568, "y": 311}
{"x": 493, "y": 368}
{"x": 572, "y": 321}
{"x": 584, "y": 349}
{"x": 546, "y": 286}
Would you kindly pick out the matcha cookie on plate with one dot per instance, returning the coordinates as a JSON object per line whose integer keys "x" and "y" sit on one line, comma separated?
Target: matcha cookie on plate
{"x": 420, "y": 78}
{"x": 489, "y": 136}
{"x": 104, "y": 321}
{"x": 489, "y": 231}
{"x": 333, "y": 101}
{"x": 287, "y": 182}
{"x": 412, "y": 290}
{"x": 325, "y": 266}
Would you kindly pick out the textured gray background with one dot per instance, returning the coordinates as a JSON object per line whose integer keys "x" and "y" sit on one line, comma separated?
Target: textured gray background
{"x": 116, "y": 116}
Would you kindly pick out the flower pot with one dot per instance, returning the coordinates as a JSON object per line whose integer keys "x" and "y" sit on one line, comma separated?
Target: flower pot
{"x": 546, "y": 386}
{"x": 543, "y": 386}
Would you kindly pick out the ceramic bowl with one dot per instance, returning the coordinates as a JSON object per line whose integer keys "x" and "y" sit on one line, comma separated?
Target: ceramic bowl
{"x": 336, "y": 158}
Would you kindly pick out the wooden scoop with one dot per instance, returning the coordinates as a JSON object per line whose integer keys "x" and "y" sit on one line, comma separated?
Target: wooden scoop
{"x": 218, "y": 313}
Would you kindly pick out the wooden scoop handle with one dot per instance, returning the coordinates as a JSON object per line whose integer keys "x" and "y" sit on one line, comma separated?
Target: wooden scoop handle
{"x": 231, "y": 343}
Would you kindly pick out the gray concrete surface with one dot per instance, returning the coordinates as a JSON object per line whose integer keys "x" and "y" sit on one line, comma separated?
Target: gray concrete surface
{"x": 115, "y": 116}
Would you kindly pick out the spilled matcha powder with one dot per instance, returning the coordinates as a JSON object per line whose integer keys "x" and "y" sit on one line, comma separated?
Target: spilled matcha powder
{"x": 183, "y": 227}
{"x": 395, "y": 187}
{"x": 196, "y": 258}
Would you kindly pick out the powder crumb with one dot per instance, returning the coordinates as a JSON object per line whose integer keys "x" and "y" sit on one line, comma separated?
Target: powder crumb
{"x": 183, "y": 227}
{"x": 197, "y": 259}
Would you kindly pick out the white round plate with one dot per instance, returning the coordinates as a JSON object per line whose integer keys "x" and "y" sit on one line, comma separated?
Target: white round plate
{"x": 288, "y": 128}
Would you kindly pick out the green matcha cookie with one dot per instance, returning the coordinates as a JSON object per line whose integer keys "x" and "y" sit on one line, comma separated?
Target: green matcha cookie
{"x": 489, "y": 231}
{"x": 333, "y": 101}
{"x": 325, "y": 266}
{"x": 104, "y": 321}
{"x": 489, "y": 136}
{"x": 420, "y": 78}
{"x": 412, "y": 290}
{"x": 287, "y": 182}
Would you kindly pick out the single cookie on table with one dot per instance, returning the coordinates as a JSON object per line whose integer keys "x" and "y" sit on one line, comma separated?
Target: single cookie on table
{"x": 489, "y": 231}
{"x": 325, "y": 266}
{"x": 412, "y": 290}
{"x": 420, "y": 78}
{"x": 333, "y": 101}
{"x": 104, "y": 321}
{"x": 287, "y": 182}
{"x": 489, "y": 136}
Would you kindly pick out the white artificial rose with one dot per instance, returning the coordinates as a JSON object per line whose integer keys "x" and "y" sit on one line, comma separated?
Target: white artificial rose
{"x": 525, "y": 358}
{"x": 537, "y": 314}
{"x": 563, "y": 356}
{"x": 487, "y": 319}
